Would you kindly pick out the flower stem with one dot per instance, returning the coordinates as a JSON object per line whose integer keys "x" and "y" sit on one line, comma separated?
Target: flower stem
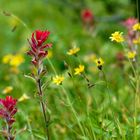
{"x": 52, "y": 66}
{"x": 136, "y": 76}
{"x": 43, "y": 107}
{"x": 107, "y": 87}
{"x": 73, "y": 110}
{"x": 68, "y": 100}
{"x": 9, "y": 137}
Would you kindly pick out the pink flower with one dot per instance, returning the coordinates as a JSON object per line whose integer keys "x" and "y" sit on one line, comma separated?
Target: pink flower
{"x": 8, "y": 109}
{"x": 128, "y": 23}
{"x": 131, "y": 35}
{"x": 87, "y": 16}
{"x": 38, "y": 47}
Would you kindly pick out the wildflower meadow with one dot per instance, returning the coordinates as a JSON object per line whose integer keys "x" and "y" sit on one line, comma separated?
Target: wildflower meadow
{"x": 70, "y": 70}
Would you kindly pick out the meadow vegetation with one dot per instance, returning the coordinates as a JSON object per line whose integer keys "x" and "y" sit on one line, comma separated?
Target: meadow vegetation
{"x": 69, "y": 70}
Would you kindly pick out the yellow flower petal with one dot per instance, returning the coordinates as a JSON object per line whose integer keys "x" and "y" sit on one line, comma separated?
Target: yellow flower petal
{"x": 131, "y": 55}
{"x": 50, "y": 54}
{"x": 7, "y": 58}
{"x": 99, "y": 62}
{"x": 58, "y": 80}
{"x": 17, "y": 60}
{"x": 117, "y": 36}
{"x": 73, "y": 51}
{"x": 136, "y": 41}
{"x": 23, "y": 98}
{"x": 7, "y": 90}
{"x": 79, "y": 69}
{"x": 136, "y": 27}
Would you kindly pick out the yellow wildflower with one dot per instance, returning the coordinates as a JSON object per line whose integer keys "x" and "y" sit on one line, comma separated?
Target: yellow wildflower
{"x": 136, "y": 41}
{"x": 73, "y": 51}
{"x": 136, "y": 27}
{"x": 7, "y": 90}
{"x": 99, "y": 62}
{"x": 117, "y": 36}
{"x": 7, "y": 58}
{"x": 58, "y": 80}
{"x": 23, "y": 97}
{"x": 50, "y": 54}
{"x": 79, "y": 69}
{"x": 16, "y": 60}
{"x": 131, "y": 54}
{"x": 13, "y": 60}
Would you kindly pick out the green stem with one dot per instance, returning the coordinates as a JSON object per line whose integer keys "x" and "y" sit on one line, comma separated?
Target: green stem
{"x": 107, "y": 87}
{"x": 43, "y": 107}
{"x": 52, "y": 66}
{"x": 73, "y": 110}
{"x": 29, "y": 125}
{"x": 136, "y": 92}
{"x": 69, "y": 102}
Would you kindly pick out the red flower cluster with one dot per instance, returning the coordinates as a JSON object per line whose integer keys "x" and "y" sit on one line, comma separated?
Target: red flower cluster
{"x": 38, "y": 48}
{"x": 87, "y": 16}
{"x": 8, "y": 109}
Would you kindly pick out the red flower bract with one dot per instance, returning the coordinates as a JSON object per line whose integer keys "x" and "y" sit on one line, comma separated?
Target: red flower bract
{"x": 41, "y": 36}
{"x": 87, "y": 16}
{"x": 8, "y": 109}
{"x": 38, "y": 48}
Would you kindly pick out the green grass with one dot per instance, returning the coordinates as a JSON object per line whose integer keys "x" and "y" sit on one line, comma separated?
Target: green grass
{"x": 107, "y": 111}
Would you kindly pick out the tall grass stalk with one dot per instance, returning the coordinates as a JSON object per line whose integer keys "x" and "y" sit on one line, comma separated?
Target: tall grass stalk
{"x": 68, "y": 100}
{"x": 136, "y": 82}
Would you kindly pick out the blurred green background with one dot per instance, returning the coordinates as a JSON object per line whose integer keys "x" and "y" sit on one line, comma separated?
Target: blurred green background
{"x": 19, "y": 18}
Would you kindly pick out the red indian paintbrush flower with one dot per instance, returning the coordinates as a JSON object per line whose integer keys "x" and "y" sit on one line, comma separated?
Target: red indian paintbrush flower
{"x": 8, "y": 109}
{"x": 38, "y": 52}
{"x": 87, "y": 16}
{"x": 131, "y": 34}
{"x": 38, "y": 47}
{"x": 128, "y": 23}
